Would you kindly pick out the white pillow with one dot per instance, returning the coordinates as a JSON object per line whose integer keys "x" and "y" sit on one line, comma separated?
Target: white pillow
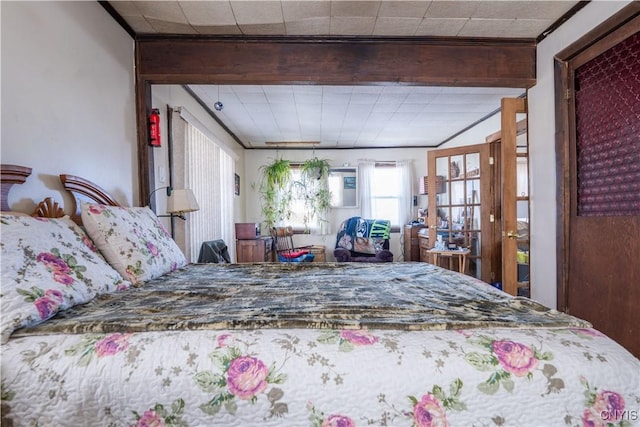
{"x": 48, "y": 265}
{"x": 133, "y": 240}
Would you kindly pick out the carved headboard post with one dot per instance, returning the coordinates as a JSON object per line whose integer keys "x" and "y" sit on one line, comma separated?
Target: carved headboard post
{"x": 11, "y": 174}
{"x": 83, "y": 189}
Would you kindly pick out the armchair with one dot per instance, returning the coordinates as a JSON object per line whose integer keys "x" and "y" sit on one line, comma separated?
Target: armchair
{"x": 363, "y": 240}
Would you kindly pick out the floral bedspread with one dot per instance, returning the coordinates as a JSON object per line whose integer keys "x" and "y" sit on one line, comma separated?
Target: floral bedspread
{"x": 341, "y": 366}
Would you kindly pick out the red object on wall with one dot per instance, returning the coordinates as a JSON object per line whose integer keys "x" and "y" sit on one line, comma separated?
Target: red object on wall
{"x": 154, "y": 128}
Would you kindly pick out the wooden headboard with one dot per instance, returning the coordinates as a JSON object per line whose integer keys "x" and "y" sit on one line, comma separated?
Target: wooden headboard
{"x": 85, "y": 190}
{"x": 11, "y": 174}
{"x": 80, "y": 188}
{"x": 14, "y": 174}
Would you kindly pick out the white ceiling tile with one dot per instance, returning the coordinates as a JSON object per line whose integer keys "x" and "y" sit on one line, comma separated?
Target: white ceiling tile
{"x": 336, "y": 98}
{"x": 410, "y": 9}
{"x": 420, "y": 98}
{"x": 208, "y": 13}
{"x": 309, "y": 26}
{"x": 391, "y": 97}
{"x": 363, "y": 98}
{"x": 294, "y": 10}
{"x": 126, "y": 8}
{"x": 441, "y": 27}
{"x": 352, "y": 26}
{"x": 486, "y": 28}
{"x": 169, "y": 11}
{"x": 217, "y": 30}
{"x": 395, "y": 26}
{"x": 281, "y": 98}
{"x": 338, "y": 89}
{"x": 355, "y": 8}
{"x": 171, "y": 27}
{"x": 410, "y": 108}
{"x": 257, "y": 12}
{"x": 253, "y": 98}
{"x": 452, "y": 9}
{"x": 308, "y": 98}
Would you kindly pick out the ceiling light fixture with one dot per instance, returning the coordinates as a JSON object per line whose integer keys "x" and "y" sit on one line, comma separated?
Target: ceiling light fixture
{"x": 218, "y": 105}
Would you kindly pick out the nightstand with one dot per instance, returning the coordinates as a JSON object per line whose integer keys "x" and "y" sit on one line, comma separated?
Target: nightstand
{"x": 255, "y": 250}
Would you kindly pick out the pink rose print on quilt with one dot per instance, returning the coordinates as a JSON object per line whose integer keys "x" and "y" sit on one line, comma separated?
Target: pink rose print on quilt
{"x": 603, "y": 408}
{"x": 428, "y": 412}
{"x": 431, "y": 409}
{"x": 99, "y": 345}
{"x": 159, "y": 416}
{"x": 247, "y": 377}
{"x": 358, "y": 337}
{"x": 515, "y": 358}
{"x": 348, "y": 339}
{"x": 318, "y": 418}
{"x": 508, "y": 360}
{"x": 112, "y": 344}
{"x": 239, "y": 378}
{"x": 46, "y": 302}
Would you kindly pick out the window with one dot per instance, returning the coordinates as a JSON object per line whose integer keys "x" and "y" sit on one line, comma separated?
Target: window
{"x": 385, "y": 197}
{"x": 386, "y": 190}
{"x": 304, "y": 213}
{"x": 297, "y": 204}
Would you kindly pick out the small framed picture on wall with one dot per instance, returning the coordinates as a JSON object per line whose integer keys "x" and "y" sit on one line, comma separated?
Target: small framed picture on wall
{"x": 236, "y": 184}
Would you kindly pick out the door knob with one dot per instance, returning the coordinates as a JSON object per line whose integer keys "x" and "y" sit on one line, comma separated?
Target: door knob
{"x": 434, "y": 227}
{"x": 512, "y": 234}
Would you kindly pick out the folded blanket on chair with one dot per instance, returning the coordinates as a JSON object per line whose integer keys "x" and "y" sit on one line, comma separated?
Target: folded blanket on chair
{"x": 362, "y": 235}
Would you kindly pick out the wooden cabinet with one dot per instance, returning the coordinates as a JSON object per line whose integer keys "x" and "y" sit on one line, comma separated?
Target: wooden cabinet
{"x": 255, "y": 250}
{"x": 411, "y": 243}
{"x": 424, "y": 247}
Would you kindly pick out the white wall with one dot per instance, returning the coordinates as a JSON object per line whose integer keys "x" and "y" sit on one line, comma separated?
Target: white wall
{"x": 256, "y": 158}
{"x": 67, "y": 99}
{"x": 542, "y": 160}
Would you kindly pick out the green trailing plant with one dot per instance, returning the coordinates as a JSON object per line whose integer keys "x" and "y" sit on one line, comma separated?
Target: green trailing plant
{"x": 275, "y": 192}
{"x": 315, "y": 190}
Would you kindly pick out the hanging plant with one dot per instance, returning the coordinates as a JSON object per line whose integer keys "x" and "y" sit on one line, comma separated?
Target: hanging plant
{"x": 275, "y": 192}
{"x": 315, "y": 190}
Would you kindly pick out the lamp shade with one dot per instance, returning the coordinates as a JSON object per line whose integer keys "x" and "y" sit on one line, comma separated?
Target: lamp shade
{"x": 181, "y": 201}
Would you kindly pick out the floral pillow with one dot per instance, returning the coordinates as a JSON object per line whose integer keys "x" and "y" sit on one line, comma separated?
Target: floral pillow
{"x": 133, "y": 240}
{"x": 48, "y": 265}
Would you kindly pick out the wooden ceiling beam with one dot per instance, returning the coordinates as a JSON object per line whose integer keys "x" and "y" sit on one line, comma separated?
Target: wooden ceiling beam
{"x": 349, "y": 61}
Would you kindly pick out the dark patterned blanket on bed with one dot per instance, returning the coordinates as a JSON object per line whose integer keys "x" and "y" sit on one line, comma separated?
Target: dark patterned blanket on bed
{"x": 406, "y": 296}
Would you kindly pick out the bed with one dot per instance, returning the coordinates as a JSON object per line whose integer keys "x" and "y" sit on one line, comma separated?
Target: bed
{"x": 281, "y": 344}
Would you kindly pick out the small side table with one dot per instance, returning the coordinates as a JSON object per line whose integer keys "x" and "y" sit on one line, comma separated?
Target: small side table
{"x": 460, "y": 253}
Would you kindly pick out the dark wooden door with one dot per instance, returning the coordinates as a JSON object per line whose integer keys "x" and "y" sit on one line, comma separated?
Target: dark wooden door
{"x": 599, "y": 185}
{"x": 604, "y": 276}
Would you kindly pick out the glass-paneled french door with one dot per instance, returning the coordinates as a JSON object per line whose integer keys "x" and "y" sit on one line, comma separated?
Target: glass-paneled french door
{"x": 461, "y": 205}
